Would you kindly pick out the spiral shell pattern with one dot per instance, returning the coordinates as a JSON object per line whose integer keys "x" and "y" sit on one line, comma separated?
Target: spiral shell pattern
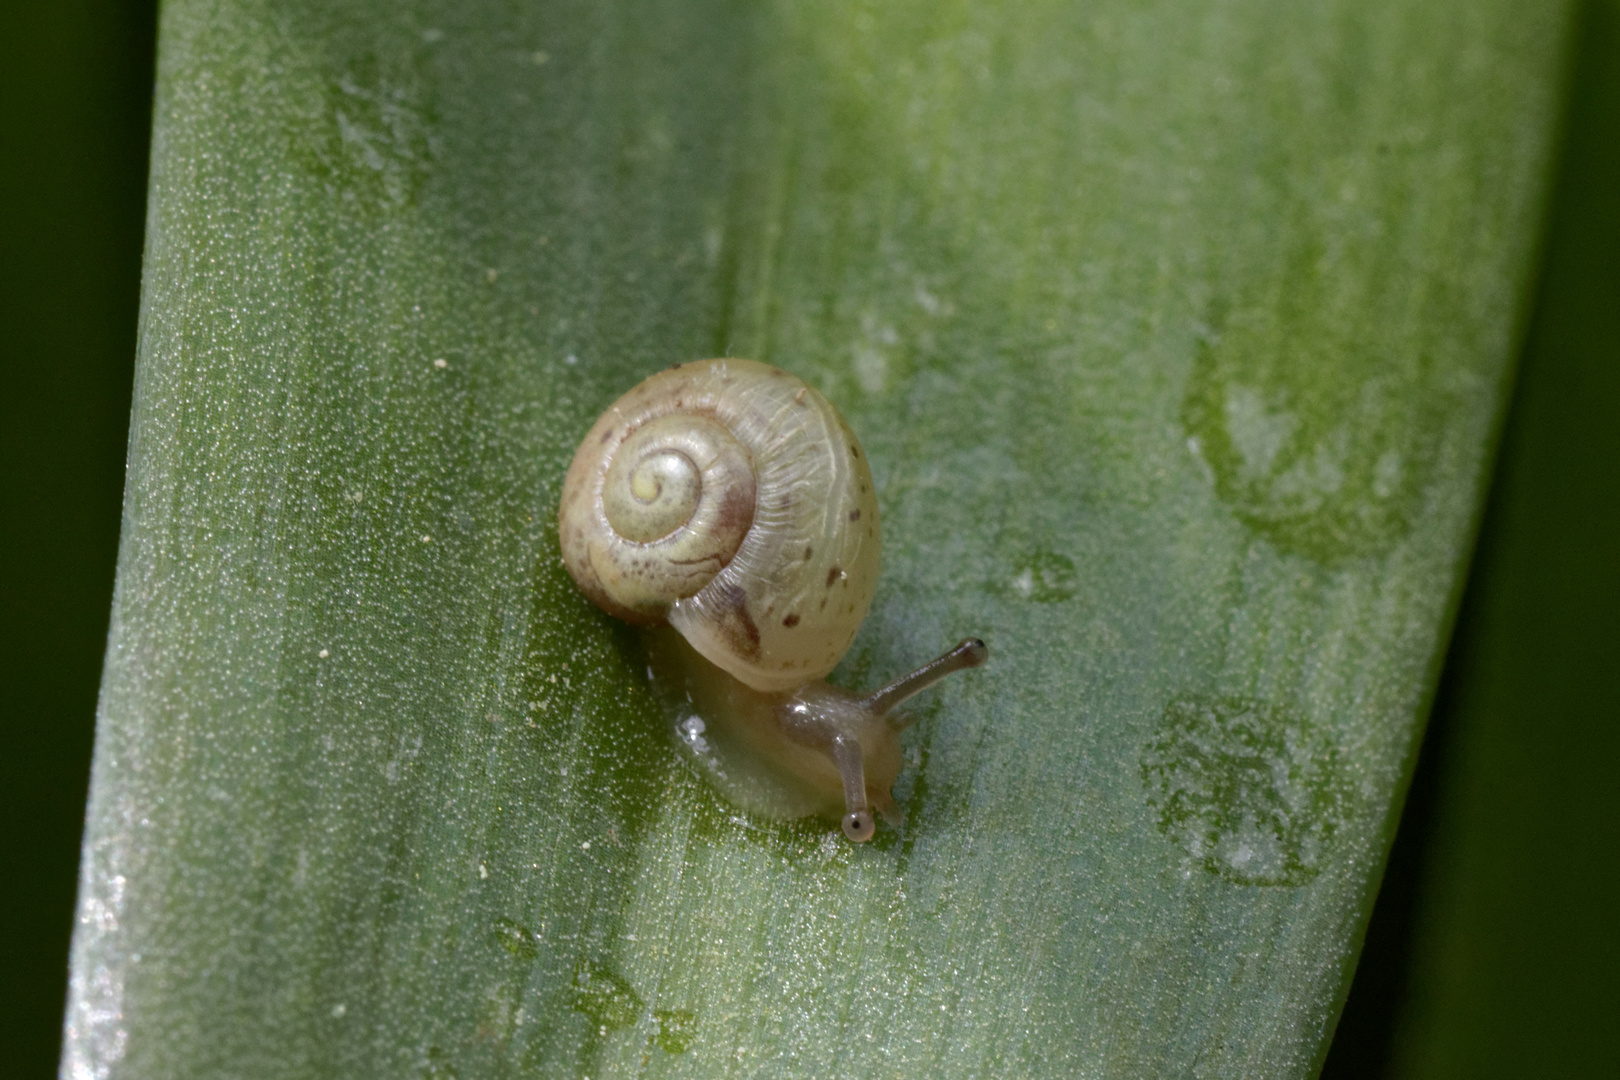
{"x": 731, "y": 500}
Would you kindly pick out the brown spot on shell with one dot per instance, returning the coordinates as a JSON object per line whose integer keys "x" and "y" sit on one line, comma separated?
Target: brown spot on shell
{"x": 791, "y": 620}
{"x": 736, "y": 511}
{"x": 833, "y": 575}
{"x": 735, "y": 623}
{"x": 808, "y": 551}
{"x": 855, "y": 515}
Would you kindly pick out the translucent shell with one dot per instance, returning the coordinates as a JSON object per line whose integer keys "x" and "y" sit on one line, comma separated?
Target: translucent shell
{"x": 732, "y": 501}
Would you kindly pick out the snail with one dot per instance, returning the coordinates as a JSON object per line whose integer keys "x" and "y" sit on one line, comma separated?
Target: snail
{"x": 730, "y": 504}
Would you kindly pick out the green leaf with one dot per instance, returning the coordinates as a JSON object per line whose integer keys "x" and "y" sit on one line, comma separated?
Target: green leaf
{"x": 1514, "y": 953}
{"x": 1175, "y": 336}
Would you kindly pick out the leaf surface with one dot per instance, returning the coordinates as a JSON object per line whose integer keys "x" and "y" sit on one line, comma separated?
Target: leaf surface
{"x": 1176, "y": 336}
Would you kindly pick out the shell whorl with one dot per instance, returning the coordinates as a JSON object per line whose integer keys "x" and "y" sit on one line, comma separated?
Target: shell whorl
{"x": 677, "y": 498}
{"x": 731, "y": 500}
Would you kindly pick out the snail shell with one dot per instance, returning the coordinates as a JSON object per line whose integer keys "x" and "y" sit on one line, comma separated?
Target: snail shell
{"x": 732, "y": 501}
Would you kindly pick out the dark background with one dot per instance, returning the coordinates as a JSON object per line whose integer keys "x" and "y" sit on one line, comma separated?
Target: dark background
{"x": 1493, "y": 950}
{"x": 75, "y": 112}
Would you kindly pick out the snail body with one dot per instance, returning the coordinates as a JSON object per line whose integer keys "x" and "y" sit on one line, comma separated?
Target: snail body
{"x": 788, "y": 754}
{"x": 732, "y": 502}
